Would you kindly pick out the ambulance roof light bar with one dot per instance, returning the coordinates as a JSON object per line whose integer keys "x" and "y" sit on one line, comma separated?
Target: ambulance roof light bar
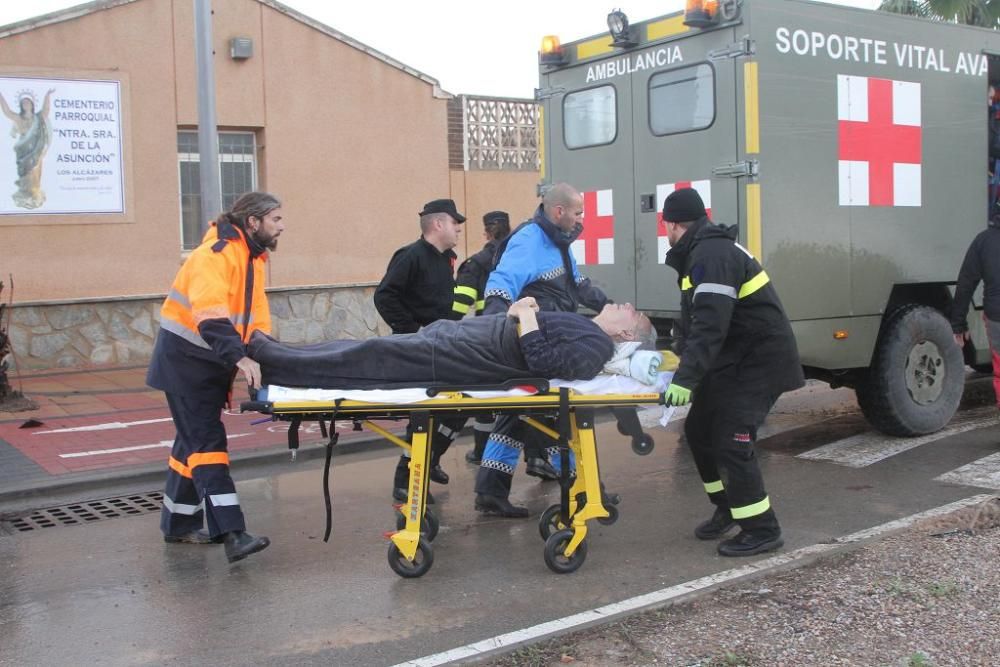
{"x": 551, "y": 52}
{"x": 701, "y": 13}
{"x": 621, "y": 34}
{"x": 707, "y": 13}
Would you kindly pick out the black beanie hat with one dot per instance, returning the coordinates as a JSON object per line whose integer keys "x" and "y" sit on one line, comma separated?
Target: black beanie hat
{"x": 683, "y": 205}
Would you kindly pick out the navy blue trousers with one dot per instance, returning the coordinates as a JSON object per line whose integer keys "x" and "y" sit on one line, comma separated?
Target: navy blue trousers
{"x": 199, "y": 486}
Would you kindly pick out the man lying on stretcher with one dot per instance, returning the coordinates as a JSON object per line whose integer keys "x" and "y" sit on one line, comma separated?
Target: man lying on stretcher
{"x": 488, "y": 349}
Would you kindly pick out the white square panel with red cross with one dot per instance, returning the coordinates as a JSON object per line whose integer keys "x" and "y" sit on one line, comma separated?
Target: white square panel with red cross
{"x": 596, "y": 245}
{"x": 879, "y": 141}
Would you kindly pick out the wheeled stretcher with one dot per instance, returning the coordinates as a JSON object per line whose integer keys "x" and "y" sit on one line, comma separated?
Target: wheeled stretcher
{"x": 563, "y": 526}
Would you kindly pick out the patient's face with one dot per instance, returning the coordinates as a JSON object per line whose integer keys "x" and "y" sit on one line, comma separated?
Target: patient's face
{"x": 624, "y": 317}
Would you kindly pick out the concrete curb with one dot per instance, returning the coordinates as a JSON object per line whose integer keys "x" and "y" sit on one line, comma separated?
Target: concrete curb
{"x": 782, "y": 562}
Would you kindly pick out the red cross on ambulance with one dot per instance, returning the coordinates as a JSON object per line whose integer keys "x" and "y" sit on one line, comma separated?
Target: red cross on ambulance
{"x": 879, "y": 141}
{"x": 596, "y": 244}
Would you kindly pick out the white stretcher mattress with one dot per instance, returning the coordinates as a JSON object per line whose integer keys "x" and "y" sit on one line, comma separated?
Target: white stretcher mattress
{"x": 602, "y": 384}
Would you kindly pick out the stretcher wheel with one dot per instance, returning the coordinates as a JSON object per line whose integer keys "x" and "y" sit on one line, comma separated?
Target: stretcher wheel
{"x": 422, "y": 560}
{"x": 429, "y": 525}
{"x": 643, "y": 445}
{"x": 549, "y": 522}
{"x": 611, "y": 517}
{"x": 554, "y": 557}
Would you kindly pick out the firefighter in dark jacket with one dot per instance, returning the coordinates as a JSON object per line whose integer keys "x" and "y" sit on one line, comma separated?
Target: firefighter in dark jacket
{"x": 418, "y": 289}
{"x": 215, "y": 303}
{"x": 981, "y": 264}
{"x": 470, "y": 289}
{"x": 738, "y": 354}
{"x": 536, "y": 262}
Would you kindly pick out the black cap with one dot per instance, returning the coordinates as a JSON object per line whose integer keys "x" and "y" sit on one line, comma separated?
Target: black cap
{"x": 494, "y": 217}
{"x": 442, "y": 206}
{"x": 683, "y": 205}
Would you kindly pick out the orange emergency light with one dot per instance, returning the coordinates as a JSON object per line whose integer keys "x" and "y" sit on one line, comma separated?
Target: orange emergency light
{"x": 701, "y": 13}
{"x": 551, "y": 52}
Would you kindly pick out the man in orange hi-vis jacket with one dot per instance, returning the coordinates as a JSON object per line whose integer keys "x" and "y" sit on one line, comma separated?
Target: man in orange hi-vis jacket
{"x": 216, "y": 302}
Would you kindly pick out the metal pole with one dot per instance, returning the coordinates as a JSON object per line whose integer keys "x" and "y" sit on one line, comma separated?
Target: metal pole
{"x": 208, "y": 135}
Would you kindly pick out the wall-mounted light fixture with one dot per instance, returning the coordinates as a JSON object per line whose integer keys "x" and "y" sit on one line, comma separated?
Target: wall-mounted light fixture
{"x": 240, "y": 48}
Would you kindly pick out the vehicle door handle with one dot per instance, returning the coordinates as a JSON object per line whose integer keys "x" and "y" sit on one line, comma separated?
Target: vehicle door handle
{"x": 647, "y": 203}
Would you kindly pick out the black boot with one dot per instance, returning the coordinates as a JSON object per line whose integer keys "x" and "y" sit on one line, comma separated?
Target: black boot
{"x": 474, "y": 457}
{"x": 438, "y": 474}
{"x": 240, "y": 544}
{"x": 721, "y": 523}
{"x": 541, "y": 469}
{"x": 751, "y": 542}
{"x": 499, "y": 506}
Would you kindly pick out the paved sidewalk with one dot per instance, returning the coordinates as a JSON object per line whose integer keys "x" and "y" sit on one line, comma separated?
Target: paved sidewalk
{"x": 103, "y": 424}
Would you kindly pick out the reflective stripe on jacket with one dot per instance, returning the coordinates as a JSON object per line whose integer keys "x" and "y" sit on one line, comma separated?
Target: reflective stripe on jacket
{"x": 470, "y": 282}
{"x": 732, "y": 322}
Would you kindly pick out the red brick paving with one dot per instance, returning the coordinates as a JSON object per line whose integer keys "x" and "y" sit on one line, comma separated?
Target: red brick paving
{"x": 75, "y": 399}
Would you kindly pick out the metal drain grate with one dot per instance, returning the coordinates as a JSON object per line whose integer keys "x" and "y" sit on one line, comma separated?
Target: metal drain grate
{"x": 83, "y": 512}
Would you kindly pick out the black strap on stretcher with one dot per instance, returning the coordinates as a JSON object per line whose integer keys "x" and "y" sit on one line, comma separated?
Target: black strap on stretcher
{"x": 565, "y": 434}
{"x": 330, "y": 444}
{"x": 293, "y": 444}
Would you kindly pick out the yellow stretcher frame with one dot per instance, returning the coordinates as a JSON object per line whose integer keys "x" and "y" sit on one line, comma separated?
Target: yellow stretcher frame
{"x": 563, "y": 526}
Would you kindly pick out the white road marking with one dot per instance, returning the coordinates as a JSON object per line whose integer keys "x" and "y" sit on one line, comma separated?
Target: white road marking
{"x": 867, "y": 448}
{"x": 134, "y": 448}
{"x": 106, "y": 426}
{"x": 666, "y": 596}
{"x": 984, "y": 473}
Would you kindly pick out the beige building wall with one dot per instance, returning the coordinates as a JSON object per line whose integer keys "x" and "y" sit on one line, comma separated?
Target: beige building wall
{"x": 352, "y": 144}
{"x": 478, "y": 192}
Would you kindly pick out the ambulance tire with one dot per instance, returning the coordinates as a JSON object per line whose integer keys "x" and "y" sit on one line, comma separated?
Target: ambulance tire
{"x": 917, "y": 376}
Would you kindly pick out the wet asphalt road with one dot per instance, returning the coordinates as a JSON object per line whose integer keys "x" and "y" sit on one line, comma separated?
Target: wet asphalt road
{"x": 113, "y": 592}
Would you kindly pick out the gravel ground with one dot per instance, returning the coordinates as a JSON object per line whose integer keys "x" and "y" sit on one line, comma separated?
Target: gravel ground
{"x": 927, "y": 596}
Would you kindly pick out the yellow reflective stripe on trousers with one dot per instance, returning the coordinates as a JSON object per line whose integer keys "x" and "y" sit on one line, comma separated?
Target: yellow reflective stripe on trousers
{"x": 714, "y": 487}
{"x": 748, "y": 511}
{"x": 686, "y": 283}
{"x": 754, "y": 284}
{"x": 460, "y": 308}
{"x": 479, "y": 306}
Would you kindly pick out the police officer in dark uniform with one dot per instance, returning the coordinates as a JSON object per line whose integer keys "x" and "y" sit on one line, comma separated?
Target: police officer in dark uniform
{"x": 470, "y": 291}
{"x": 738, "y": 354}
{"x": 417, "y": 289}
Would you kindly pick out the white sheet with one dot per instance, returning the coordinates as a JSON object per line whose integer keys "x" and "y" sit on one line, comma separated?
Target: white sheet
{"x": 602, "y": 384}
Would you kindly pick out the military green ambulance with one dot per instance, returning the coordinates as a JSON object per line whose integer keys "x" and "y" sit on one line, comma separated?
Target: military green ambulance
{"x": 850, "y": 146}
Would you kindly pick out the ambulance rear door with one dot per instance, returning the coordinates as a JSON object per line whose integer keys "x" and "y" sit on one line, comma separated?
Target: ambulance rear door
{"x": 589, "y": 146}
{"x": 684, "y": 120}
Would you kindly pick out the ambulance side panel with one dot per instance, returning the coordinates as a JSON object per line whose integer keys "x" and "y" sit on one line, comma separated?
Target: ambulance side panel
{"x": 872, "y": 163}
